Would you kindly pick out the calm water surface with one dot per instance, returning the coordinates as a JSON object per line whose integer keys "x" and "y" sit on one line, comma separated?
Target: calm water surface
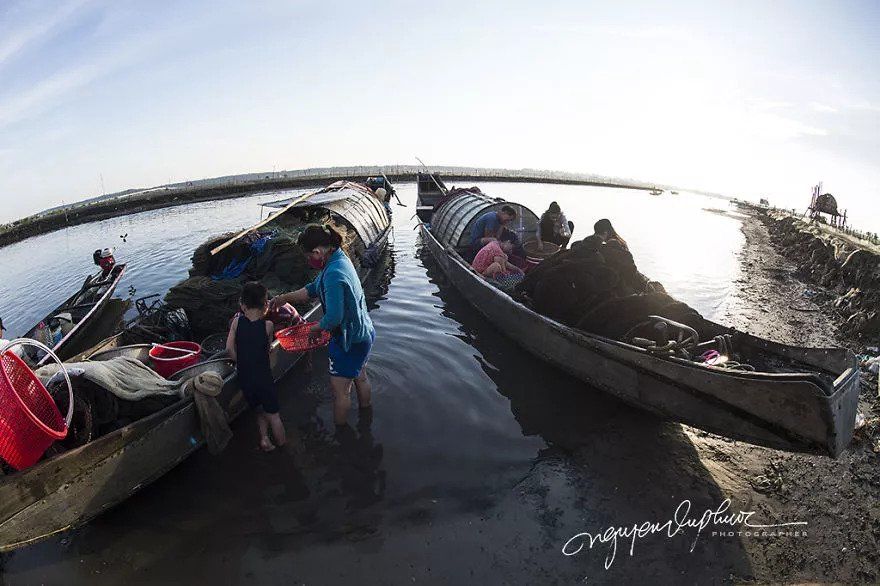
{"x": 674, "y": 240}
{"x": 467, "y": 470}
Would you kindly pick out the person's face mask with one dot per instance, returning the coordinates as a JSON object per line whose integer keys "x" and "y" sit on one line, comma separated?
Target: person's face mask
{"x": 316, "y": 259}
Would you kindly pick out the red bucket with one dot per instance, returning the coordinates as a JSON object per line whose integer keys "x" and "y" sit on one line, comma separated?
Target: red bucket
{"x": 296, "y": 338}
{"x": 29, "y": 419}
{"x": 167, "y": 359}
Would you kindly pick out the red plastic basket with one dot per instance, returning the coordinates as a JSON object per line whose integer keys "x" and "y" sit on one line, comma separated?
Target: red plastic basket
{"x": 296, "y": 338}
{"x": 168, "y": 359}
{"x": 29, "y": 419}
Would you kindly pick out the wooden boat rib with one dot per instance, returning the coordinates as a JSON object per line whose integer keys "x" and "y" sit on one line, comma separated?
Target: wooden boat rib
{"x": 68, "y": 490}
{"x": 810, "y": 408}
{"x": 85, "y": 307}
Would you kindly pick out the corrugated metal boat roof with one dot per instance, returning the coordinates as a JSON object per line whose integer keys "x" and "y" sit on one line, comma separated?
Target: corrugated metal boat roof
{"x": 452, "y": 222}
{"x": 353, "y": 201}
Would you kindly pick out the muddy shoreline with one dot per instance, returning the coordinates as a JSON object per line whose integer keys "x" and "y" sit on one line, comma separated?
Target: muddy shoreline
{"x": 839, "y": 499}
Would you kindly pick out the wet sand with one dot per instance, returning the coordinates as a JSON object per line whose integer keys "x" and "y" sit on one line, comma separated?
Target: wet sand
{"x": 460, "y": 498}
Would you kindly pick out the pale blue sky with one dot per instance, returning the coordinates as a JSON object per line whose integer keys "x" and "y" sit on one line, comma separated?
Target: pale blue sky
{"x": 743, "y": 98}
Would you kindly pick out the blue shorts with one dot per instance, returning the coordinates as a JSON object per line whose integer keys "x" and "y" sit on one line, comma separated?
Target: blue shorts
{"x": 349, "y": 364}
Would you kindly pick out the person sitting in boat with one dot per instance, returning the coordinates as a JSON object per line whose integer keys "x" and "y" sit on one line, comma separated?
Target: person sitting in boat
{"x": 383, "y": 196}
{"x": 345, "y": 317}
{"x": 554, "y": 227}
{"x": 489, "y": 227}
{"x": 616, "y": 253}
{"x": 248, "y": 345}
{"x": 606, "y": 232}
{"x": 492, "y": 260}
{"x": 517, "y": 254}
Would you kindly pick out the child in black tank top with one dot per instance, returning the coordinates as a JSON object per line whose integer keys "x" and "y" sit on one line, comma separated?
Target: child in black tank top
{"x": 250, "y": 336}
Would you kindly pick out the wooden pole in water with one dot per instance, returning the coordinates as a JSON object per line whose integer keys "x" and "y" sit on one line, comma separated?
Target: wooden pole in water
{"x": 260, "y": 224}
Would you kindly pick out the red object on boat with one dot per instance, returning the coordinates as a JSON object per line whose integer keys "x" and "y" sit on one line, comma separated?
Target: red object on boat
{"x": 29, "y": 419}
{"x": 297, "y": 339}
{"x": 174, "y": 356}
{"x": 284, "y": 315}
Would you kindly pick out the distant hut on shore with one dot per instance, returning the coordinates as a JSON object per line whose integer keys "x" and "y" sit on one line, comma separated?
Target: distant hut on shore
{"x": 824, "y": 203}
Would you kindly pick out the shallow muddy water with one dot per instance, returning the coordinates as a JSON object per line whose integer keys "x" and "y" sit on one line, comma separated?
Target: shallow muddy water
{"x": 466, "y": 471}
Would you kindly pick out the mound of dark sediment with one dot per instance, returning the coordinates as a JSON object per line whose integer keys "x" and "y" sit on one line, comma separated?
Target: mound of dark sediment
{"x": 851, "y": 273}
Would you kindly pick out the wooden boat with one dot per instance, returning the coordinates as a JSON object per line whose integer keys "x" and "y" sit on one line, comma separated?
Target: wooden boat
{"x": 75, "y": 319}
{"x": 656, "y": 191}
{"x": 430, "y": 190}
{"x": 68, "y": 490}
{"x": 800, "y": 399}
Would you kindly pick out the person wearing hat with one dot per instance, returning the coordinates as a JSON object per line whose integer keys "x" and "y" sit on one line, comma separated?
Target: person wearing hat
{"x": 553, "y": 227}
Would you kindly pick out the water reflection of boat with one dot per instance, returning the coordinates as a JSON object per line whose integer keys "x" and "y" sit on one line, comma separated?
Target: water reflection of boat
{"x": 69, "y": 489}
{"x": 798, "y": 399}
{"x": 67, "y": 328}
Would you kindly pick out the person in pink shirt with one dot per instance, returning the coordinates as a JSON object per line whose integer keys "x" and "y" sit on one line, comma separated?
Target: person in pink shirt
{"x": 492, "y": 261}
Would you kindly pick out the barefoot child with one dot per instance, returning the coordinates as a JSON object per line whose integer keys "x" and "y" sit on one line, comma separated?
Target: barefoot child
{"x": 248, "y": 345}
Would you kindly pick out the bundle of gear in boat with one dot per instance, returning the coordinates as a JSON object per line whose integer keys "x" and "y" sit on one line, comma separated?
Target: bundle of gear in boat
{"x": 596, "y": 287}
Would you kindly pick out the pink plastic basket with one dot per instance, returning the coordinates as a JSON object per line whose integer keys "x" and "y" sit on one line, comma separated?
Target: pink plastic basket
{"x": 296, "y": 338}
{"x": 29, "y": 419}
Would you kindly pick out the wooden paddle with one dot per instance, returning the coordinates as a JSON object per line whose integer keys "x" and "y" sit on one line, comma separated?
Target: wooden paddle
{"x": 271, "y": 217}
{"x": 388, "y": 186}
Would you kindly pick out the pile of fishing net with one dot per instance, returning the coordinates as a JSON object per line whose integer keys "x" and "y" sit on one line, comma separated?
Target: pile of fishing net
{"x": 155, "y": 321}
{"x": 210, "y": 296}
{"x": 597, "y": 288}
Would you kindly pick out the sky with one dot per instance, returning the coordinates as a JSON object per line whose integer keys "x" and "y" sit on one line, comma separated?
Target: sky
{"x": 748, "y": 99}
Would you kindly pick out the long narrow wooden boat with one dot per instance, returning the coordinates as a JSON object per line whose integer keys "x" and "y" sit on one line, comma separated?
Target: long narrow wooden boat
{"x": 78, "y": 315}
{"x": 68, "y": 490}
{"x": 430, "y": 189}
{"x": 805, "y": 400}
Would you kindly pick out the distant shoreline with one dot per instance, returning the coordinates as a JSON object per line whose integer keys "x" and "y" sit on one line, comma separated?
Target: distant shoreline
{"x": 134, "y": 201}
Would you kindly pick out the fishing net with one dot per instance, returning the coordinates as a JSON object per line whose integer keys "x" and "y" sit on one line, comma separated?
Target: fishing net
{"x": 613, "y": 318}
{"x": 598, "y": 288}
{"x": 156, "y": 321}
{"x": 210, "y": 296}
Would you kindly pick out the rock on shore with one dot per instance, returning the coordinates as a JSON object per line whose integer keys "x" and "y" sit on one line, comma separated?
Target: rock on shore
{"x": 849, "y": 273}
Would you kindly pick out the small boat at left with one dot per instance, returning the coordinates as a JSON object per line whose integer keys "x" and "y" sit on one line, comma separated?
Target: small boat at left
{"x": 67, "y": 328}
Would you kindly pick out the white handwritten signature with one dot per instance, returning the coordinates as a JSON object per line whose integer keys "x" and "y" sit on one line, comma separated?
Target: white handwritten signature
{"x": 680, "y": 521}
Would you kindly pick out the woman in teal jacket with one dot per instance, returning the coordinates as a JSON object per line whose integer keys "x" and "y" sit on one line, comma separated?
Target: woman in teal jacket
{"x": 345, "y": 316}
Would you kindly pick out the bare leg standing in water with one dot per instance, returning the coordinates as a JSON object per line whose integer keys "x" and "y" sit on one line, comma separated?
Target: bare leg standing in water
{"x": 342, "y": 395}
{"x": 364, "y": 390}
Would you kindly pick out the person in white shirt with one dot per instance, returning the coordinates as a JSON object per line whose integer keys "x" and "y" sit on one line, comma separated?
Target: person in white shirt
{"x": 554, "y": 227}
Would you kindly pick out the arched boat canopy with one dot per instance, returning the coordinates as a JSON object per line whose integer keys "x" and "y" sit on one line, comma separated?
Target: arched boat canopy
{"x": 353, "y": 201}
{"x": 452, "y": 222}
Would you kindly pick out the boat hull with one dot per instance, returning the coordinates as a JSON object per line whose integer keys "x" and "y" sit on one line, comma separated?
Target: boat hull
{"x": 76, "y": 339}
{"x": 784, "y": 411}
{"x": 72, "y": 488}
{"x": 69, "y": 490}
